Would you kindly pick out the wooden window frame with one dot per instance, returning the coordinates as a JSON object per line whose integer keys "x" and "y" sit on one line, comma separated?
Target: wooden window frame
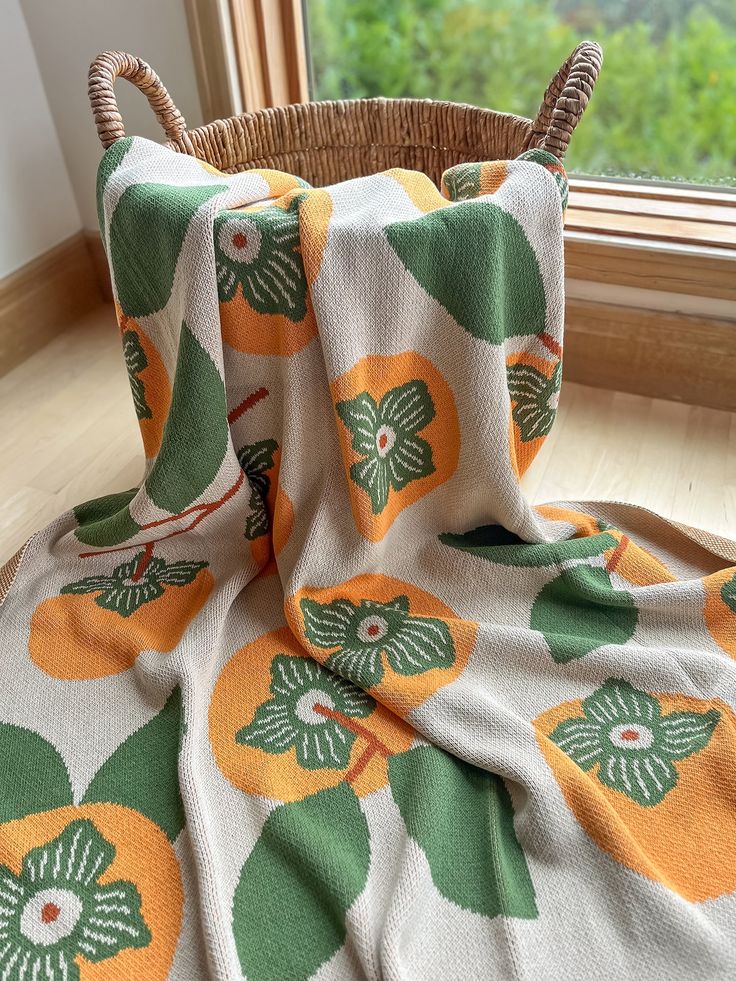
{"x": 213, "y": 53}
{"x": 657, "y": 237}
{"x": 660, "y": 256}
{"x": 248, "y": 54}
{"x": 270, "y": 49}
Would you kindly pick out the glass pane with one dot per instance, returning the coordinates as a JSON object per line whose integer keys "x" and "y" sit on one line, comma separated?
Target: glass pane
{"x": 664, "y": 107}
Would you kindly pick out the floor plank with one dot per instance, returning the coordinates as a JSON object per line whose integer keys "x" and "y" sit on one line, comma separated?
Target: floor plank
{"x": 69, "y": 433}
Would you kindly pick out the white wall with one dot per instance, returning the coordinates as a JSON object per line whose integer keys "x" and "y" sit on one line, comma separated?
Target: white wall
{"x": 38, "y": 208}
{"x": 67, "y": 34}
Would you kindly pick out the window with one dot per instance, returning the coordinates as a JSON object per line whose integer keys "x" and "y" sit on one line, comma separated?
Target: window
{"x": 650, "y": 255}
{"x": 664, "y": 108}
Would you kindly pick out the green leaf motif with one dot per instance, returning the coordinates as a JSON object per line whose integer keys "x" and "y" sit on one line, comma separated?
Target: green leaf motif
{"x": 385, "y": 435}
{"x": 256, "y": 459}
{"x": 535, "y": 398}
{"x": 475, "y": 260}
{"x": 259, "y": 251}
{"x": 623, "y": 733}
{"x": 257, "y": 523}
{"x": 100, "y": 508}
{"x": 495, "y": 543}
{"x": 297, "y": 715}
{"x": 196, "y": 433}
{"x": 364, "y": 634}
{"x": 580, "y": 610}
{"x": 463, "y": 820}
{"x": 135, "y": 362}
{"x": 106, "y": 520}
{"x": 307, "y": 868}
{"x": 111, "y": 160}
{"x": 57, "y": 909}
{"x": 147, "y": 232}
{"x": 728, "y": 594}
{"x": 553, "y": 165}
{"x": 33, "y": 776}
{"x": 463, "y": 181}
{"x": 143, "y": 774}
{"x": 122, "y": 593}
{"x": 176, "y": 573}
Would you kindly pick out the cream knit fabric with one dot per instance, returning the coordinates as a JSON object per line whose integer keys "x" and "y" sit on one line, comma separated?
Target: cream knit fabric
{"x": 326, "y": 697}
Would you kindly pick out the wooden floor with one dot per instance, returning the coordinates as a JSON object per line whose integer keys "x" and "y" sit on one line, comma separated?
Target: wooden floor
{"x": 68, "y": 433}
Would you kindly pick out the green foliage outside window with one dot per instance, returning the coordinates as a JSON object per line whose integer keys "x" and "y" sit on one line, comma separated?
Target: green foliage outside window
{"x": 664, "y": 106}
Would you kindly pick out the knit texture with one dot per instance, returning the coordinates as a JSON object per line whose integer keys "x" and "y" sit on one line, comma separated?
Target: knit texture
{"x": 325, "y": 697}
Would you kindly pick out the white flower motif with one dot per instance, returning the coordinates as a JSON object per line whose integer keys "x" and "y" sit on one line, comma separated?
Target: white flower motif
{"x": 240, "y": 239}
{"x": 622, "y": 731}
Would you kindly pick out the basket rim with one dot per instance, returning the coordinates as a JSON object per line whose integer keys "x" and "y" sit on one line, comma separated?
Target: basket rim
{"x": 368, "y": 101}
{"x": 345, "y": 106}
{"x": 564, "y": 102}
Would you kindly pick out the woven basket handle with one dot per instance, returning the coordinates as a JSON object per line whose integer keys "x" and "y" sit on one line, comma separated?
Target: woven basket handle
{"x": 117, "y": 64}
{"x": 566, "y": 98}
{"x": 564, "y": 101}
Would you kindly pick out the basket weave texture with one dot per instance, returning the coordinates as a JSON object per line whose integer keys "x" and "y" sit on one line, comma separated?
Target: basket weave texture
{"x": 327, "y": 142}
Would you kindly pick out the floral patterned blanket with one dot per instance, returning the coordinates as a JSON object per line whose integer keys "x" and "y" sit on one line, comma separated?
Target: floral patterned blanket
{"x": 325, "y": 697}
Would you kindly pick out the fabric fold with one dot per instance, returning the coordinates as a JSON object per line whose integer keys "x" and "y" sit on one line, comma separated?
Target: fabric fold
{"x": 325, "y": 696}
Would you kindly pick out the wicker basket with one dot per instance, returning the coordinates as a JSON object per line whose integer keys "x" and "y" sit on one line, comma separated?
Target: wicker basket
{"x": 327, "y": 142}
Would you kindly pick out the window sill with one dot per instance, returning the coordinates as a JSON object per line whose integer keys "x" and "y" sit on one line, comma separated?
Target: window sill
{"x": 680, "y": 240}
{"x": 651, "y": 284}
{"x": 671, "y": 239}
{"x": 686, "y": 215}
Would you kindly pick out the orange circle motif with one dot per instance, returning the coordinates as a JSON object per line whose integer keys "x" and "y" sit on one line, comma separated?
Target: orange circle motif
{"x": 394, "y": 640}
{"x": 149, "y": 382}
{"x": 651, "y": 779}
{"x": 282, "y": 726}
{"x": 420, "y": 189}
{"x": 265, "y": 548}
{"x": 142, "y": 857}
{"x": 533, "y": 385}
{"x": 273, "y": 261}
{"x": 632, "y": 562}
{"x": 73, "y": 638}
{"x": 720, "y": 616}
{"x": 399, "y": 435}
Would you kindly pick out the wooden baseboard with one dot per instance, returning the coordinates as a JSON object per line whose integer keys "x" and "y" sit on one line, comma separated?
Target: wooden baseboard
{"x": 628, "y": 349}
{"x": 43, "y": 297}
{"x": 648, "y": 352}
{"x": 99, "y": 260}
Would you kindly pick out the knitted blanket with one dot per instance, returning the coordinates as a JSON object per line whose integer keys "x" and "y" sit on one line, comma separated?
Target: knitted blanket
{"x": 325, "y": 697}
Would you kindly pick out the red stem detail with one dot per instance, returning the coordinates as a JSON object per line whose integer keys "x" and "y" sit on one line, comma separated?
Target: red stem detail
{"x": 375, "y": 745}
{"x": 361, "y": 763}
{"x": 195, "y": 509}
{"x": 617, "y": 554}
{"x": 201, "y": 510}
{"x": 246, "y": 404}
{"x": 551, "y": 344}
{"x": 143, "y": 562}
